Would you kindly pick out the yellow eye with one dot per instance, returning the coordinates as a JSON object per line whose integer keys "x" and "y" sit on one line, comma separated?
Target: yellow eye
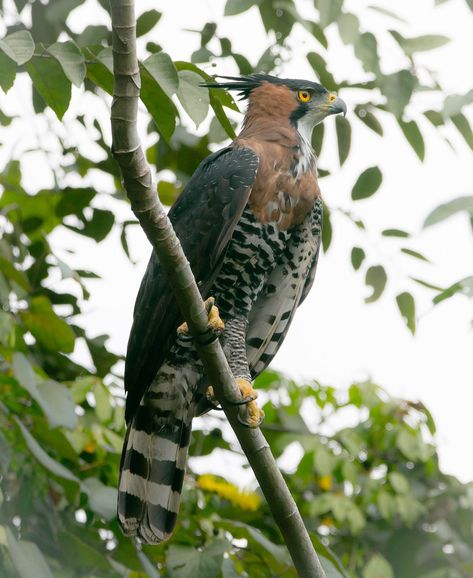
{"x": 304, "y": 95}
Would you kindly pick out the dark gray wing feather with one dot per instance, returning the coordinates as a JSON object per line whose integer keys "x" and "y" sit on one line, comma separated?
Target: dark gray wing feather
{"x": 204, "y": 217}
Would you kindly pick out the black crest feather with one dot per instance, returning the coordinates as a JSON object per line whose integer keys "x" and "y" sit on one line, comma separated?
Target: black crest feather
{"x": 246, "y": 84}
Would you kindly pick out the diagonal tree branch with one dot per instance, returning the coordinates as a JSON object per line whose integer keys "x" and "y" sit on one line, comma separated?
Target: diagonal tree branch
{"x": 152, "y": 217}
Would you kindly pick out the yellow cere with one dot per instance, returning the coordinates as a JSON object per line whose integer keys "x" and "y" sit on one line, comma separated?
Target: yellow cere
{"x": 304, "y": 95}
{"x": 332, "y": 96}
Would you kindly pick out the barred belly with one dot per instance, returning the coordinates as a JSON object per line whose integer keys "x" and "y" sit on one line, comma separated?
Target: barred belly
{"x": 253, "y": 252}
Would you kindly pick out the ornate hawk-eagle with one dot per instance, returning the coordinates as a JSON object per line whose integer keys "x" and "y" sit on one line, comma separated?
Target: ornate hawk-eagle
{"x": 249, "y": 221}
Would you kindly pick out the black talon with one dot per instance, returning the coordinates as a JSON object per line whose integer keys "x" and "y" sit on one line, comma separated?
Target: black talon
{"x": 205, "y": 338}
{"x": 246, "y": 424}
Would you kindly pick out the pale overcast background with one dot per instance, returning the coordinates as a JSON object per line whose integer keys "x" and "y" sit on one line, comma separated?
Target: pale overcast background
{"x": 335, "y": 337}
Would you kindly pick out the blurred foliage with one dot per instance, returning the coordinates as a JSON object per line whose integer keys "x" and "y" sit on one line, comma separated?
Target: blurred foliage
{"x": 373, "y": 491}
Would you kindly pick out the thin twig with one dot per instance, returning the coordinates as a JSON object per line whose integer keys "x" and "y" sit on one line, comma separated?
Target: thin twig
{"x": 152, "y": 217}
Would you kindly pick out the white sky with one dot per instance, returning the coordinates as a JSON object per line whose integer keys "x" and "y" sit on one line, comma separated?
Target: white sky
{"x": 335, "y": 337}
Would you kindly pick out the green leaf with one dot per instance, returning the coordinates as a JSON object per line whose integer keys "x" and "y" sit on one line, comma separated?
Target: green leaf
{"x": 415, "y": 254}
{"x": 348, "y": 28}
{"x": 27, "y": 558}
{"x": 319, "y": 35}
{"x": 47, "y": 328}
{"x": 386, "y": 12}
{"x": 147, "y": 21}
{"x": 366, "y": 50}
{"x": 57, "y": 403}
{"x": 18, "y": 46}
{"x": 103, "y": 408}
{"x": 224, "y": 98}
{"x": 464, "y": 128}
{"x": 376, "y": 278}
{"x": 455, "y": 102}
{"x": 407, "y": 307}
{"x": 414, "y": 136}
{"x": 73, "y": 201}
{"x": 326, "y": 228}
{"x": 43, "y": 458}
{"x": 412, "y": 445}
{"x": 207, "y": 33}
{"x": 357, "y": 257}
{"x": 398, "y": 482}
{"x": 185, "y": 561}
{"x": 470, "y": 4}
{"x": 378, "y": 567}
{"x": 51, "y": 83}
{"x": 320, "y": 67}
{"x": 334, "y": 568}
{"x": 273, "y": 554}
{"x": 398, "y": 88}
{"x": 98, "y": 227}
{"x": 98, "y": 67}
{"x": 7, "y": 329}
{"x": 54, "y": 399}
{"x": 219, "y": 99}
{"x": 386, "y": 503}
{"x": 192, "y": 96}
{"x": 150, "y": 569}
{"x": 71, "y": 60}
{"x": 329, "y": 11}
{"x": 446, "y": 210}
{"x": 23, "y": 371}
{"x": 368, "y": 118}
{"x": 318, "y": 138}
{"x": 343, "y": 128}
{"x": 435, "y": 117}
{"x": 162, "y": 69}
{"x": 158, "y": 103}
{"x": 102, "y": 499}
{"x": 464, "y": 286}
{"x": 395, "y": 233}
{"x": 233, "y": 7}
{"x": 10, "y": 271}
{"x": 88, "y": 560}
{"x": 367, "y": 184}
{"x": 420, "y": 43}
{"x": 94, "y": 36}
{"x": 7, "y": 72}
{"x": 124, "y": 238}
{"x": 427, "y": 284}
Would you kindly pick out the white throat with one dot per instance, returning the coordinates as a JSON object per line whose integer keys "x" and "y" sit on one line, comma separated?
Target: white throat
{"x": 305, "y": 126}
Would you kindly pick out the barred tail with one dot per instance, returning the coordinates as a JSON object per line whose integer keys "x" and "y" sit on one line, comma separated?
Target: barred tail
{"x": 151, "y": 476}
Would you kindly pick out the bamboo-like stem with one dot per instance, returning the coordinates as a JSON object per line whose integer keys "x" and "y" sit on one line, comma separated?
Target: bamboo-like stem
{"x": 153, "y": 219}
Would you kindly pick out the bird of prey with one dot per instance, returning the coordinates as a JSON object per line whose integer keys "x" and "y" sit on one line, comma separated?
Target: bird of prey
{"x": 249, "y": 221}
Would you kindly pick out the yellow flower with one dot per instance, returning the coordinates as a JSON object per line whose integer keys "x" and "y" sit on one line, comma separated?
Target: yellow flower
{"x": 327, "y": 521}
{"x": 241, "y": 498}
{"x": 325, "y": 483}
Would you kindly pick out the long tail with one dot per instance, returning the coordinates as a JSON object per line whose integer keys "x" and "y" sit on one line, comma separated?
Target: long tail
{"x": 151, "y": 474}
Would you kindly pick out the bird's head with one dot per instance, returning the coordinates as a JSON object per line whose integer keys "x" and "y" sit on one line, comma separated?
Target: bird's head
{"x": 304, "y": 103}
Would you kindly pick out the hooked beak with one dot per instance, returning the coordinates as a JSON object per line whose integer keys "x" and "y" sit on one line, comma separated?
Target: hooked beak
{"x": 336, "y": 106}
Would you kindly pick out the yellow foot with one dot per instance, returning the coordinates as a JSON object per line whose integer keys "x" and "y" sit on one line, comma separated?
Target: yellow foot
{"x": 216, "y": 325}
{"x": 211, "y": 397}
{"x": 215, "y": 322}
{"x": 249, "y": 413}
